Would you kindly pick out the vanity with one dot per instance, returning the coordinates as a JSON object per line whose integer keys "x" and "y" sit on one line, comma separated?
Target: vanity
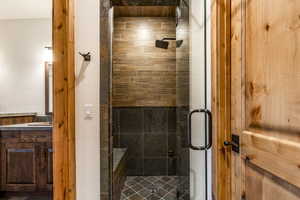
{"x": 26, "y": 157}
{"x": 26, "y": 106}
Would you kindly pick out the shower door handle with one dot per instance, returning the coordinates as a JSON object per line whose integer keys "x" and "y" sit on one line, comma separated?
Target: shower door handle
{"x": 209, "y": 132}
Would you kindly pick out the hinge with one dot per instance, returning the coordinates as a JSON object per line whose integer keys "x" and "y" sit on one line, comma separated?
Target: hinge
{"x": 234, "y": 143}
{"x": 243, "y": 196}
{"x": 213, "y": 196}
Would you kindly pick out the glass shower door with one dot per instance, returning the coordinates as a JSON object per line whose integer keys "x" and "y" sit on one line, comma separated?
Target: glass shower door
{"x": 193, "y": 100}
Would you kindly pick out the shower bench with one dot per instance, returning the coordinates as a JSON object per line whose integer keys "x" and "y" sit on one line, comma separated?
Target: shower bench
{"x": 119, "y": 171}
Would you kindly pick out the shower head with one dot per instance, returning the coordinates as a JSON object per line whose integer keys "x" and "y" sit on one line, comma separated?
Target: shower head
{"x": 162, "y": 44}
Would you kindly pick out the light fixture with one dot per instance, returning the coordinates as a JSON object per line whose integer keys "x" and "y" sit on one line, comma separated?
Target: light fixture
{"x": 48, "y": 54}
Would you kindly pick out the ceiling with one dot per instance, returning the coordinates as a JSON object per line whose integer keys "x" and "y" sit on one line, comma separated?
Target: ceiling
{"x": 25, "y": 9}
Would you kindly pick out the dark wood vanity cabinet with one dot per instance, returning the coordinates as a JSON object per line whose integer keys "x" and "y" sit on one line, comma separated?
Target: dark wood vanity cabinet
{"x": 26, "y": 161}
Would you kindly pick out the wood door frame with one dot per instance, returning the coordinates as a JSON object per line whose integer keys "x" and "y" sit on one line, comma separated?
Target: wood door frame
{"x": 64, "y": 100}
{"x": 221, "y": 97}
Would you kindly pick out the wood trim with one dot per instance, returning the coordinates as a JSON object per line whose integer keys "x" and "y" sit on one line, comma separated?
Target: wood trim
{"x": 237, "y": 97}
{"x": 64, "y": 100}
{"x": 221, "y": 98}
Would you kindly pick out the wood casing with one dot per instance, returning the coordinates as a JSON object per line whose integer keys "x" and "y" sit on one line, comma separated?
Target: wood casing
{"x": 64, "y": 101}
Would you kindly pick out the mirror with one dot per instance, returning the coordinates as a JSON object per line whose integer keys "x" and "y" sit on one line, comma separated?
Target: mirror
{"x": 48, "y": 88}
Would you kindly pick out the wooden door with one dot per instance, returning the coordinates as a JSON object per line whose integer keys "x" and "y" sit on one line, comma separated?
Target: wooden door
{"x": 265, "y": 101}
{"x": 19, "y": 167}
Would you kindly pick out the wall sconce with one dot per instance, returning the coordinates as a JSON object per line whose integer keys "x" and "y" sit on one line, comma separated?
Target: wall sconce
{"x": 48, "y": 54}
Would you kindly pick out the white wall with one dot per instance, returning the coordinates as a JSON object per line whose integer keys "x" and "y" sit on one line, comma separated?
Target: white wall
{"x": 22, "y": 73}
{"x": 87, "y": 38}
{"x": 29, "y": 9}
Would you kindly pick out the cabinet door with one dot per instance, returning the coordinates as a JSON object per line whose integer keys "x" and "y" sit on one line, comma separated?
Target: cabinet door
{"x": 19, "y": 167}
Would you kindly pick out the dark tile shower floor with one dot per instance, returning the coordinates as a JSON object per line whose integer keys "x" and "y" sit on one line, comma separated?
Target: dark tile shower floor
{"x": 150, "y": 188}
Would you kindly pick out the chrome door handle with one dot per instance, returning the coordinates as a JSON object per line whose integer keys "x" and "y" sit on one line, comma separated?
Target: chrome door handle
{"x": 208, "y": 144}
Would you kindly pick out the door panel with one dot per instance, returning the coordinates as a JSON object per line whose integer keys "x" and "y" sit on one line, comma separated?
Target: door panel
{"x": 265, "y": 99}
{"x": 19, "y": 161}
{"x": 199, "y": 98}
{"x": 193, "y": 93}
{"x": 277, "y": 156}
{"x": 262, "y": 185}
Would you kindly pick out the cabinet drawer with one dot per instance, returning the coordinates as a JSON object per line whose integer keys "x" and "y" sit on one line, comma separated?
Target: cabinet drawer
{"x": 35, "y": 137}
{"x": 10, "y": 136}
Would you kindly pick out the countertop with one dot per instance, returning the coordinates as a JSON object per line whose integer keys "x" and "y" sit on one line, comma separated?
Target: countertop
{"x": 4, "y": 115}
{"x": 35, "y": 126}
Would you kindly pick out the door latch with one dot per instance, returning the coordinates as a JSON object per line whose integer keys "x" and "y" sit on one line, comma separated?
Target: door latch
{"x": 234, "y": 143}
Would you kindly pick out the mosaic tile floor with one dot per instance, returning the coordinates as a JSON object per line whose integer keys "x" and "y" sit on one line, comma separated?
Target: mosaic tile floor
{"x": 150, "y": 188}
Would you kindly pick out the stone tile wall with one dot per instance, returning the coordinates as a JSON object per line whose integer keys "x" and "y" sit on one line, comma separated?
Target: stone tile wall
{"x": 149, "y": 133}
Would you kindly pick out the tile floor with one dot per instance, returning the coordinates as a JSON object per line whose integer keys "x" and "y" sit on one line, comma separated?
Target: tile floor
{"x": 150, "y": 188}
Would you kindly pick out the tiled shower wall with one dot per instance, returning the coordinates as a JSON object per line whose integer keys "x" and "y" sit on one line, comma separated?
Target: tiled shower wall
{"x": 143, "y": 75}
{"x": 149, "y": 133}
{"x": 144, "y": 94}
